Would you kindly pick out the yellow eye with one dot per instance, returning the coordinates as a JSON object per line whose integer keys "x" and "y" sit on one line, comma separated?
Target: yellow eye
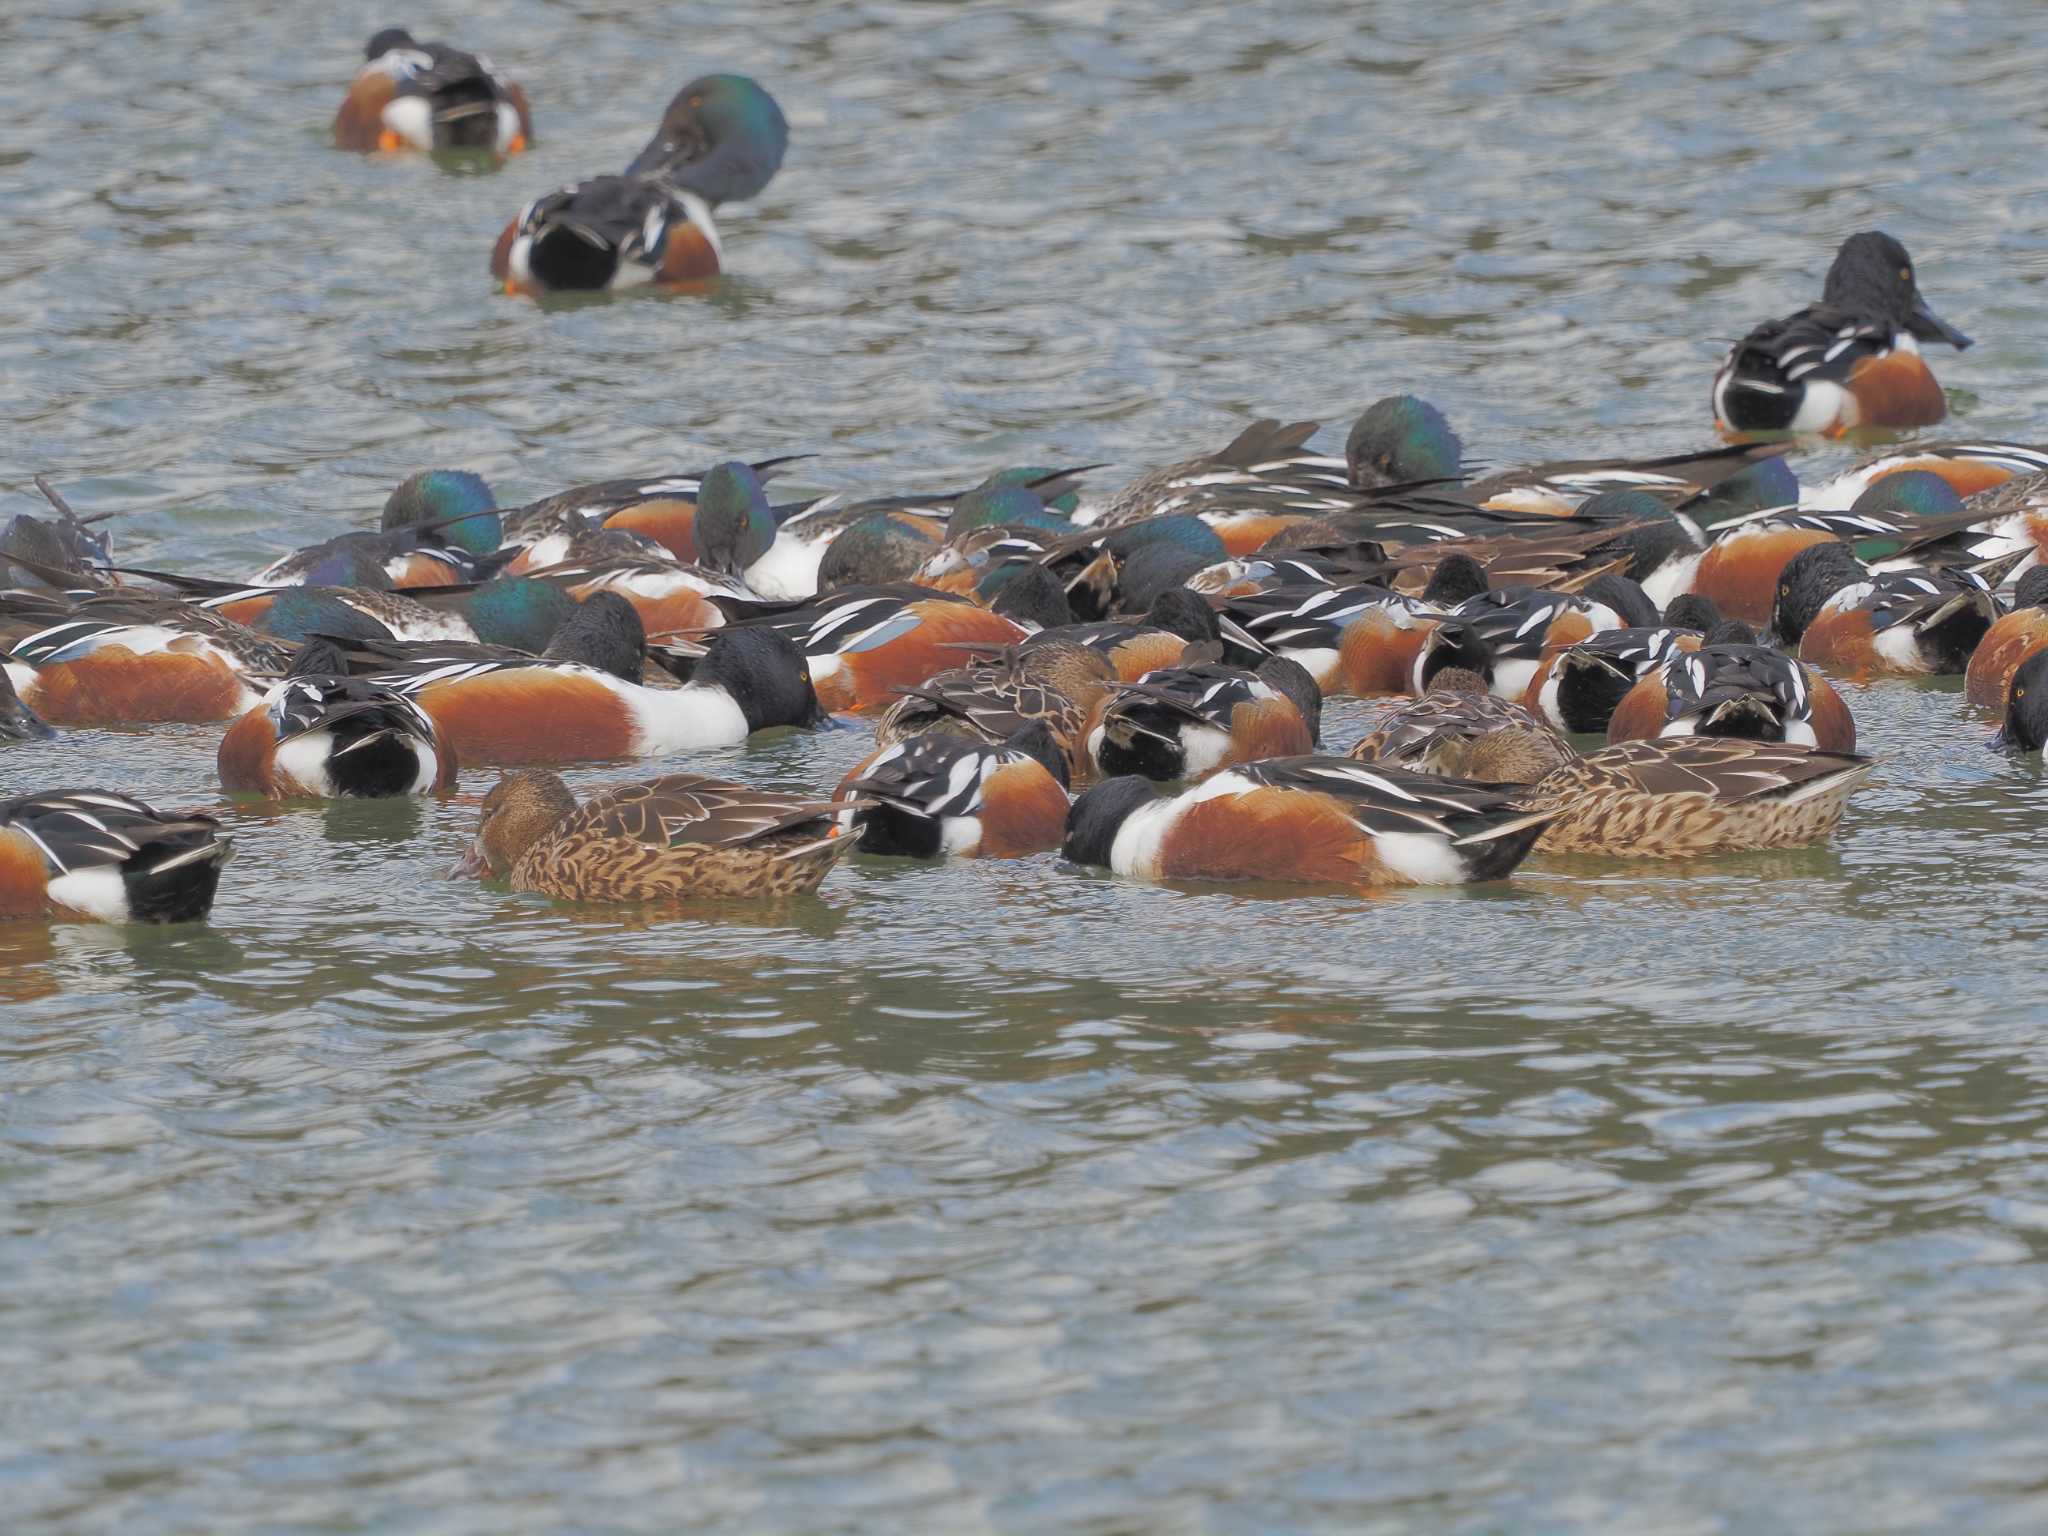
{"x": 2019, "y": 693}
{"x": 696, "y": 102}
{"x": 1905, "y": 274}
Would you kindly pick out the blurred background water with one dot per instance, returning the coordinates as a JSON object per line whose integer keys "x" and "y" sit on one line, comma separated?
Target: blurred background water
{"x": 1005, "y": 1197}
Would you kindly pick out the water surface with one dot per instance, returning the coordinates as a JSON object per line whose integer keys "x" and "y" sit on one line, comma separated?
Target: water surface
{"x": 1007, "y": 1197}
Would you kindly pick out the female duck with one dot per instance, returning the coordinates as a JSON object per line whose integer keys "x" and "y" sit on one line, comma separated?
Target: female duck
{"x": 667, "y": 840}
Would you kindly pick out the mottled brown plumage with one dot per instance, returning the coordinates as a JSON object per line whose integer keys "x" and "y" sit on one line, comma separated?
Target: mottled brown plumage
{"x": 675, "y": 839}
{"x": 1460, "y": 731}
{"x": 1056, "y": 682}
{"x": 1683, "y": 796}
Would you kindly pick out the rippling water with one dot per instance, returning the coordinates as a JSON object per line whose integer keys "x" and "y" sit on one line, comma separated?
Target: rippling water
{"x": 1005, "y": 1197}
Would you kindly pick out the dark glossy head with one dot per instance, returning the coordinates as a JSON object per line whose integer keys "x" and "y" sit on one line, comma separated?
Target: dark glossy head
{"x": 1626, "y": 598}
{"x": 1037, "y": 742}
{"x": 1177, "y": 530}
{"x": 1295, "y": 681}
{"x": 604, "y": 632}
{"x": 1402, "y": 438}
{"x": 386, "y": 40}
{"x": 1650, "y": 546}
{"x": 1915, "y": 492}
{"x": 297, "y": 614}
{"x": 519, "y": 611}
{"x": 319, "y": 658}
{"x": 1065, "y": 502}
{"x": 2026, "y": 707}
{"x": 999, "y": 505}
{"x": 1187, "y": 614}
{"x": 1094, "y": 819}
{"x": 1731, "y": 632}
{"x": 880, "y": 548}
{"x": 1456, "y": 577}
{"x": 351, "y": 560}
{"x": 1873, "y": 274}
{"x": 1689, "y": 610}
{"x": 17, "y": 721}
{"x": 455, "y": 505}
{"x": 1768, "y": 482}
{"x": 766, "y": 674}
{"x": 1809, "y": 579}
{"x": 1034, "y": 597}
{"x": 734, "y": 524}
{"x": 1148, "y": 571}
{"x": 2031, "y": 590}
{"x": 722, "y": 137}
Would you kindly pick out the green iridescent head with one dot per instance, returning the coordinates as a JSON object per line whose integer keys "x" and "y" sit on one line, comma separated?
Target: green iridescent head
{"x": 444, "y": 500}
{"x": 878, "y": 549}
{"x": 1767, "y": 483}
{"x": 297, "y": 614}
{"x": 734, "y": 524}
{"x": 1027, "y": 475}
{"x": 722, "y": 137}
{"x": 518, "y": 611}
{"x": 1402, "y": 438}
{"x": 1914, "y": 492}
{"x": 1009, "y": 505}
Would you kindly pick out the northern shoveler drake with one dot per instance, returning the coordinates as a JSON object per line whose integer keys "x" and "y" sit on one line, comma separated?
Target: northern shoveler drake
{"x": 1844, "y": 616}
{"x": 324, "y": 733}
{"x": 2026, "y": 707}
{"x": 1852, "y": 360}
{"x": 1054, "y": 683}
{"x": 1578, "y": 687}
{"x": 103, "y": 857}
{"x": 570, "y": 707}
{"x": 1968, "y": 467}
{"x": 665, "y": 841}
{"x": 1267, "y": 470}
{"x": 2011, "y": 640}
{"x": 520, "y": 612}
{"x": 17, "y": 721}
{"x": 721, "y": 140}
{"x": 1189, "y": 720}
{"x": 428, "y": 97}
{"x": 439, "y": 528}
{"x": 121, "y": 658}
{"x": 942, "y": 794}
{"x": 1360, "y": 640}
{"x": 1308, "y": 820}
{"x": 1733, "y": 687}
{"x": 1502, "y": 635}
{"x": 1684, "y": 796}
{"x": 1460, "y": 731}
{"x": 661, "y": 507}
{"x": 866, "y": 644}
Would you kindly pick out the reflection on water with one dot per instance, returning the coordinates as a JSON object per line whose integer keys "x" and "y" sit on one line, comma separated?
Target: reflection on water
{"x": 1005, "y": 1196}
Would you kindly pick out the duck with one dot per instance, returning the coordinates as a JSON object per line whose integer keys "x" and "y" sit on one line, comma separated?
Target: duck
{"x": 1971, "y": 467}
{"x": 866, "y": 643}
{"x": 668, "y": 841}
{"x": 1733, "y": 687}
{"x": 660, "y": 506}
{"x": 17, "y": 721}
{"x": 1577, "y": 687}
{"x": 1185, "y": 721}
{"x": 1502, "y": 635}
{"x": 324, "y": 733}
{"x": 430, "y": 97}
{"x": 721, "y": 139}
{"x": 1852, "y": 360}
{"x": 1056, "y": 683}
{"x": 941, "y": 795}
{"x": 1361, "y": 639}
{"x": 583, "y": 701}
{"x": 1309, "y": 820}
{"x": 1176, "y": 619}
{"x": 2025, "y": 727}
{"x": 2012, "y": 638}
{"x": 1267, "y": 470}
{"x": 1844, "y": 616}
{"x": 1458, "y": 730}
{"x": 1686, "y": 796}
{"x": 131, "y": 658}
{"x": 438, "y": 528}
{"x": 520, "y": 612}
{"x": 99, "y": 856}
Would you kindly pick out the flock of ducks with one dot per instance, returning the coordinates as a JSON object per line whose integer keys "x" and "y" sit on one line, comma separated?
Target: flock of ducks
{"x": 1620, "y": 657}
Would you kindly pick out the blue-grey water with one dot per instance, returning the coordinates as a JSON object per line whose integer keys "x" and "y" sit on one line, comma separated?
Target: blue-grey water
{"x": 1001, "y": 1197}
